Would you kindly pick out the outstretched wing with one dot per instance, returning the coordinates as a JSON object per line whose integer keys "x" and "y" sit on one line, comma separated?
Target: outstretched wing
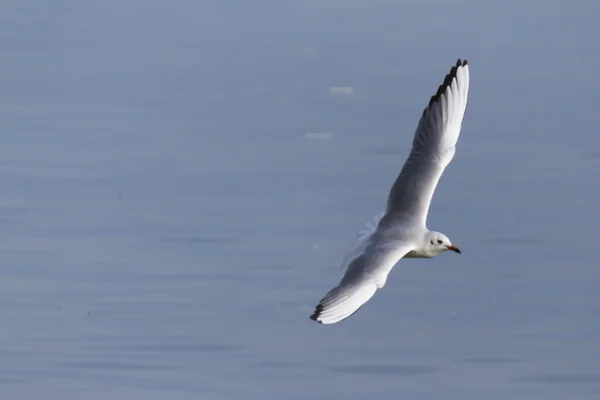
{"x": 433, "y": 147}
{"x": 365, "y": 274}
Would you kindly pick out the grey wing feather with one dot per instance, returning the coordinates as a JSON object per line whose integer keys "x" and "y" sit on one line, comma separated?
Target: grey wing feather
{"x": 364, "y": 275}
{"x": 433, "y": 147}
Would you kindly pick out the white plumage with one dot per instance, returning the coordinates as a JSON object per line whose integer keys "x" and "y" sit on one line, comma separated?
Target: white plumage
{"x": 402, "y": 230}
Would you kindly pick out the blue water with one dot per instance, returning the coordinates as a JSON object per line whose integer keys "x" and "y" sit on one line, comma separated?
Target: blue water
{"x": 179, "y": 182}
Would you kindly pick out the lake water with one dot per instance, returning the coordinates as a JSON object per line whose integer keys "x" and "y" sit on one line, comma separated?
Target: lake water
{"x": 179, "y": 182}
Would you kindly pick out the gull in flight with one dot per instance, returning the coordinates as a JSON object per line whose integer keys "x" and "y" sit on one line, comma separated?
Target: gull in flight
{"x": 401, "y": 231}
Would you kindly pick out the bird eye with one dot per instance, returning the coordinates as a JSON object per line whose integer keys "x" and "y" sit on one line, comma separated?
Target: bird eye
{"x": 439, "y": 241}
{"x": 431, "y": 241}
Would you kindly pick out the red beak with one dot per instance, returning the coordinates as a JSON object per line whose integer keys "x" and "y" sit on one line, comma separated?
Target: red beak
{"x": 454, "y": 248}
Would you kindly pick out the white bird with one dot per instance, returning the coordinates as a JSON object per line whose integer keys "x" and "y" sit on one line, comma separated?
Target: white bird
{"x": 402, "y": 230}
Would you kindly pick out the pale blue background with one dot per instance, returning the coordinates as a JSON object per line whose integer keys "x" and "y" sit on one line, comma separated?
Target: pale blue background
{"x": 167, "y": 227}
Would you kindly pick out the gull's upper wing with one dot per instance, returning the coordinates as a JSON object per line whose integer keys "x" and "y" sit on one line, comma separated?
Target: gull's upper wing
{"x": 433, "y": 147}
{"x": 366, "y": 273}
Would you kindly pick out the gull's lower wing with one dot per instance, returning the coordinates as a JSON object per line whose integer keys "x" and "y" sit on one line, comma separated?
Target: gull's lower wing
{"x": 364, "y": 275}
{"x": 433, "y": 147}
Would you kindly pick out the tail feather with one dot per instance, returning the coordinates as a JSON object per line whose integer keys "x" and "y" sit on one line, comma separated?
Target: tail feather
{"x": 361, "y": 241}
{"x": 343, "y": 301}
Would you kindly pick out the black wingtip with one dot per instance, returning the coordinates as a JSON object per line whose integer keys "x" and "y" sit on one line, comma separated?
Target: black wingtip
{"x": 316, "y": 313}
{"x": 447, "y": 82}
{"x": 319, "y": 309}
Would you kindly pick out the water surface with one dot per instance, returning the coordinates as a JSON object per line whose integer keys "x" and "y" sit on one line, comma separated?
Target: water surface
{"x": 179, "y": 183}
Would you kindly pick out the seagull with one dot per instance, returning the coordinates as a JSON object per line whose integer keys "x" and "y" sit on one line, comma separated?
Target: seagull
{"x": 401, "y": 231}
